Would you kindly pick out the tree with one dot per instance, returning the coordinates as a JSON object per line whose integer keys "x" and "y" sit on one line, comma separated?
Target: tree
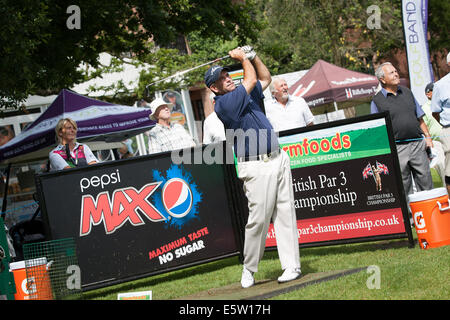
{"x": 297, "y": 33}
{"x": 40, "y": 54}
{"x": 376, "y": 40}
{"x": 167, "y": 62}
{"x": 439, "y": 29}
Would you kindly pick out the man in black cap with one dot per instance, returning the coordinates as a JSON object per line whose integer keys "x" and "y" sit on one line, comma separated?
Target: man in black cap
{"x": 171, "y": 97}
{"x": 262, "y": 166}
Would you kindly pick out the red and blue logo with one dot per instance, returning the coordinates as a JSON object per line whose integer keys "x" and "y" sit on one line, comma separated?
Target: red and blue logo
{"x": 179, "y": 199}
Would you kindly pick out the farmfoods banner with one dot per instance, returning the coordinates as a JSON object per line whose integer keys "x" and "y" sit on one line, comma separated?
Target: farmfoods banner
{"x": 140, "y": 216}
{"x": 346, "y": 182}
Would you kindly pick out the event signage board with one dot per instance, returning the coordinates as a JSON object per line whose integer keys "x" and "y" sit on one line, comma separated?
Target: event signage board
{"x": 346, "y": 182}
{"x": 140, "y": 216}
{"x": 148, "y": 215}
{"x": 415, "y": 25}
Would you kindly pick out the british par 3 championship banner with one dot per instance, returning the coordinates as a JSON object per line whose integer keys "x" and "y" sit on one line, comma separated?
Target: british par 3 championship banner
{"x": 346, "y": 182}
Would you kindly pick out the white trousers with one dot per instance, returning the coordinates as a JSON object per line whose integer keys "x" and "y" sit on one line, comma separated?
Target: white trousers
{"x": 268, "y": 188}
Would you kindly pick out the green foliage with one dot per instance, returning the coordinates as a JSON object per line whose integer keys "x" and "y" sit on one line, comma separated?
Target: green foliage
{"x": 167, "y": 62}
{"x": 390, "y": 36}
{"x": 439, "y": 30}
{"x": 439, "y": 25}
{"x": 23, "y": 31}
{"x": 41, "y": 55}
{"x": 299, "y": 32}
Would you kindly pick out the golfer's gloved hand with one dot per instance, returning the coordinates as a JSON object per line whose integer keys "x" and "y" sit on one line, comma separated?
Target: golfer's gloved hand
{"x": 249, "y": 52}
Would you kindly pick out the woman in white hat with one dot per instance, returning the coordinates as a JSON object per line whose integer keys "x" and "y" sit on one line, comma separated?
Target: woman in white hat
{"x": 166, "y": 136}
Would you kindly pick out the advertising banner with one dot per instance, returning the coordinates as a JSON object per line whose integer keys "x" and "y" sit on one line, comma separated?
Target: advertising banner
{"x": 415, "y": 21}
{"x": 140, "y": 216}
{"x": 148, "y": 215}
{"x": 346, "y": 182}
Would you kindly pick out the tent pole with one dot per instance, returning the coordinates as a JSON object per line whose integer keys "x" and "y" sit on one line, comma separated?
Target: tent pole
{"x": 141, "y": 144}
{"x": 335, "y": 106}
{"x": 5, "y": 193}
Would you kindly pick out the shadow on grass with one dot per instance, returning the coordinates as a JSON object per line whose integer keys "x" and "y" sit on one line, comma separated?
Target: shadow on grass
{"x": 306, "y": 253}
{"x": 160, "y": 278}
{"x": 271, "y": 273}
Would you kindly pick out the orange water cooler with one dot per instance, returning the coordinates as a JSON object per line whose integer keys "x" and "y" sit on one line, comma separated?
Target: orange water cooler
{"x": 431, "y": 214}
{"x": 37, "y": 286}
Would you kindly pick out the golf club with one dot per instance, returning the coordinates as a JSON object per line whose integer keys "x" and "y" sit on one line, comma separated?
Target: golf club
{"x": 180, "y": 73}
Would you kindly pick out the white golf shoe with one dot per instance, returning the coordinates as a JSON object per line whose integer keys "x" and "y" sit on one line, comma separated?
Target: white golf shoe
{"x": 289, "y": 274}
{"x": 247, "y": 279}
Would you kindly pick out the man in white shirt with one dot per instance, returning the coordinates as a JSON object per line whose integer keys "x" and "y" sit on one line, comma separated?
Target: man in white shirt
{"x": 213, "y": 129}
{"x": 287, "y": 112}
{"x": 440, "y": 108}
{"x": 166, "y": 136}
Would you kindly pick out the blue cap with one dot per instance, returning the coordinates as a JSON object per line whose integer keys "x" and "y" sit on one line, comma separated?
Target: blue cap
{"x": 213, "y": 74}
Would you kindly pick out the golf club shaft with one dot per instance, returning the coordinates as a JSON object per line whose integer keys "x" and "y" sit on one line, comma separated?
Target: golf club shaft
{"x": 188, "y": 70}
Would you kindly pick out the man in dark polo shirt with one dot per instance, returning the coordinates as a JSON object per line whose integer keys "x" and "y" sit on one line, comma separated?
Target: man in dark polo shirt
{"x": 262, "y": 166}
{"x": 410, "y": 131}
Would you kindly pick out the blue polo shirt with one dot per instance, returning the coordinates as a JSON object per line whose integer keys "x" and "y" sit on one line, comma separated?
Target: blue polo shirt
{"x": 252, "y": 132}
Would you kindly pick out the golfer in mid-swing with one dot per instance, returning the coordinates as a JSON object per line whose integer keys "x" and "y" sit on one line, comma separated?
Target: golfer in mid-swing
{"x": 262, "y": 166}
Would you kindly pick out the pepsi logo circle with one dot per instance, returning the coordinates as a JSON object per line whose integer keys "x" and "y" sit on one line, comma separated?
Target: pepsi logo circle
{"x": 177, "y": 197}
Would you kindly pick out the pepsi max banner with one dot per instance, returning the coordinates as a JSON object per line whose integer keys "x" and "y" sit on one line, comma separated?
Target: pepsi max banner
{"x": 346, "y": 182}
{"x": 140, "y": 216}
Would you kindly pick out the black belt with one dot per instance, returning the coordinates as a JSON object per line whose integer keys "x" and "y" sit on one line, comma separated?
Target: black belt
{"x": 260, "y": 157}
{"x": 406, "y": 141}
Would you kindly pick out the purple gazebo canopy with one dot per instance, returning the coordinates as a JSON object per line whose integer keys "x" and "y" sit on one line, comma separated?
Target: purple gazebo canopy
{"x": 97, "y": 121}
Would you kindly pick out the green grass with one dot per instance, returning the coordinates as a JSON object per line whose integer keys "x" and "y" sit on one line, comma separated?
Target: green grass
{"x": 437, "y": 181}
{"x": 405, "y": 274}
